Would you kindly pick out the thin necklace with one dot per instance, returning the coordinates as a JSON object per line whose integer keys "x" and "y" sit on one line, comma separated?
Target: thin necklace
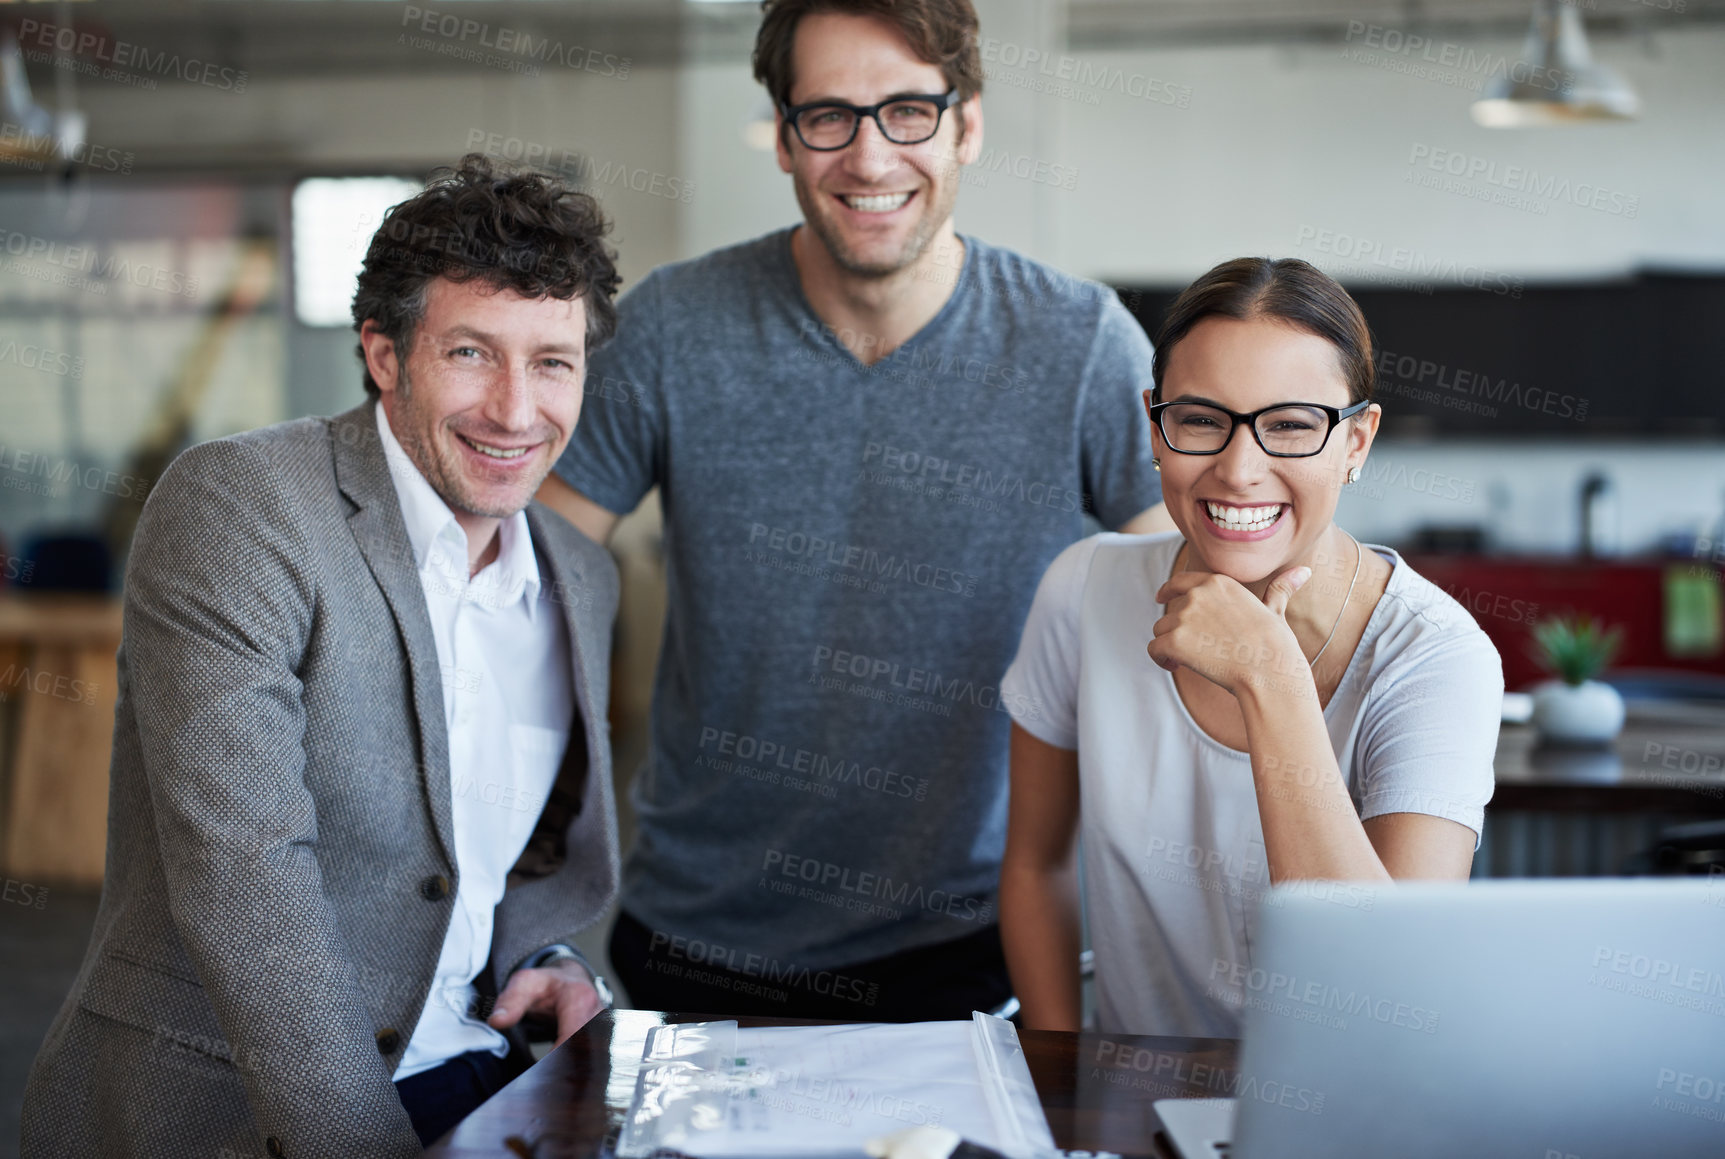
{"x": 1358, "y": 558}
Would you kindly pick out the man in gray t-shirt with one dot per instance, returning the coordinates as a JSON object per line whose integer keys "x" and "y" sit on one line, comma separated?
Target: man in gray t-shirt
{"x": 871, "y": 436}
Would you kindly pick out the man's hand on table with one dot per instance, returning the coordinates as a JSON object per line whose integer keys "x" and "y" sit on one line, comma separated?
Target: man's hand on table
{"x": 563, "y": 988}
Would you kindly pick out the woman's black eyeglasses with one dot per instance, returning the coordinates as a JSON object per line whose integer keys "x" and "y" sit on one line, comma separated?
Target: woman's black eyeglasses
{"x": 908, "y": 119}
{"x": 1289, "y": 430}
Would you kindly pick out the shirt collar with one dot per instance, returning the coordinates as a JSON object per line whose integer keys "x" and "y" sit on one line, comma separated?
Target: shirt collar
{"x": 513, "y": 575}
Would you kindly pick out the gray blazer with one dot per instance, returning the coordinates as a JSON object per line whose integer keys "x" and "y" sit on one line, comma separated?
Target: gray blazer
{"x": 280, "y": 860}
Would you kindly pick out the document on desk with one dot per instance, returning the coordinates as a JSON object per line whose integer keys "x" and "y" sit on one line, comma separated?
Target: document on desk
{"x": 716, "y": 1091}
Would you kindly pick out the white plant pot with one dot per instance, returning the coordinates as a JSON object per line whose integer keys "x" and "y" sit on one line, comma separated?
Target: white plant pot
{"x": 1589, "y": 713}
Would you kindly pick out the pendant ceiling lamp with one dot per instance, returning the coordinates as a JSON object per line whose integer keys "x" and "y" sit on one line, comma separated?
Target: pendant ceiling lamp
{"x": 1555, "y": 81}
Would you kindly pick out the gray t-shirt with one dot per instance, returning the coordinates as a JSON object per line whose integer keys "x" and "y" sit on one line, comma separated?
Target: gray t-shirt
{"x": 851, "y": 552}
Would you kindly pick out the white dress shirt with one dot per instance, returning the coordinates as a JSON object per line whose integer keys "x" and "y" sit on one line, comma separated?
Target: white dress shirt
{"x": 507, "y": 705}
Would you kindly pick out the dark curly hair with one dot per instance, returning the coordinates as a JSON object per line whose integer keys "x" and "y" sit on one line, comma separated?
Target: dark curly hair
{"x": 513, "y": 228}
{"x": 1286, "y": 289}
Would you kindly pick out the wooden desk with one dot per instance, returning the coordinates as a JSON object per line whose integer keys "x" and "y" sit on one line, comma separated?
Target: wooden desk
{"x": 1096, "y": 1089}
{"x": 1670, "y": 758}
{"x": 57, "y": 691}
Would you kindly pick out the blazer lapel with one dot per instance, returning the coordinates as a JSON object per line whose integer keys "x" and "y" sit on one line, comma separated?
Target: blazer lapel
{"x": 363, "y": 475}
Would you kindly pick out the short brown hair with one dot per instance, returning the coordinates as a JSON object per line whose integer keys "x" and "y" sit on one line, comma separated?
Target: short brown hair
{"x": 943, "y": 32}
{"x": 1288, "y": 290}
{"x": 514, "y": 229}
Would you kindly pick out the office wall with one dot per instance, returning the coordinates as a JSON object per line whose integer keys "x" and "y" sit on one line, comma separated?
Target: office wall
{"x": 1277, "y": 146}
{"x": 1526, "y": 495}
{"x": 396, "y": 121}
{"x": 1280, "y": 144}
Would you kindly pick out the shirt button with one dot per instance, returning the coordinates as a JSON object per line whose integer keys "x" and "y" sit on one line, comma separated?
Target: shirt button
{"x": 434, "y": 888}
{"x": 274, "y": 1146}
{"x": 388, "y": 1040}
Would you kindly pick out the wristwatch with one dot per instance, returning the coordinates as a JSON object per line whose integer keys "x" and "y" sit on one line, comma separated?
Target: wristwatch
{"x": 562, "y": 952}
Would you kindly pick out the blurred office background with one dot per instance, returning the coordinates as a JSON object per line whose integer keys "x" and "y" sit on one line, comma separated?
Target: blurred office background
{"x": 184, "y": 187}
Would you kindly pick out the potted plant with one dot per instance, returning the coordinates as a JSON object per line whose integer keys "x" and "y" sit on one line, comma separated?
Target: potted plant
{"x": 1575, "y": 708}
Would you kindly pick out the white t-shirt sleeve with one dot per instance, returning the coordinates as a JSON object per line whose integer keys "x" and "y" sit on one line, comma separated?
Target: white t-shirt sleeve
{"x": 1040, "y": 689}
{"x": 1429, "y": 731}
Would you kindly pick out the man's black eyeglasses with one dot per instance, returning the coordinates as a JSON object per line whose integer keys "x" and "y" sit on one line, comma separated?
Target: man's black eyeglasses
{"x": 908, "y": 119}
{"x": 1289, "y": 430}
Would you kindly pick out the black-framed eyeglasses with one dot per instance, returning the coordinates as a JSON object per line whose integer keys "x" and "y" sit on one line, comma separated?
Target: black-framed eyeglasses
{"x": 907, "y": 119}
{"x": 1289, "y": 430}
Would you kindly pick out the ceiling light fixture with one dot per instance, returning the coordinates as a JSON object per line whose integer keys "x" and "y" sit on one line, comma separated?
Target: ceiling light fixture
{"x": 1555, "y": 80}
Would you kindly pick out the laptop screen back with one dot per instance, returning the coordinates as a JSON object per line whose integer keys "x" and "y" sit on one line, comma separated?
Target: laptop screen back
{"x": 1553, "y": 1019}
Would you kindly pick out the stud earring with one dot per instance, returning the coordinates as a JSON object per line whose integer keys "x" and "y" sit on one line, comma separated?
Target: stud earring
{"x": 1157, "y": 463}
{"x": 1353, "y": 474}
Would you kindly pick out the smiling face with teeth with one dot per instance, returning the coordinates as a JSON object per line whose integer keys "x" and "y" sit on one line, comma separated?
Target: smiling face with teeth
{"x": 1246, "y": 514}
{"x": 486, "y": 398}
{"x": 875, "y": 206}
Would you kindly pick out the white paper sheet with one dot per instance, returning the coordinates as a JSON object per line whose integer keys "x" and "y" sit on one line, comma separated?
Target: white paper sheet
{"x": 814, "y": 1092}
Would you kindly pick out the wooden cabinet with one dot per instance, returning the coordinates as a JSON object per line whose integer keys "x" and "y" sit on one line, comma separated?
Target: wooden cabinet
{"x": 57, "y": 692}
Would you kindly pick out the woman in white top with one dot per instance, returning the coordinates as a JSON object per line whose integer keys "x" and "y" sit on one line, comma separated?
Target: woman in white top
{"x": 1253, "y": 700}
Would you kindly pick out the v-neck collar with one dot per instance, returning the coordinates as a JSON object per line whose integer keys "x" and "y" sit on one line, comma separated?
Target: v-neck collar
{"x": 823, "y": 332}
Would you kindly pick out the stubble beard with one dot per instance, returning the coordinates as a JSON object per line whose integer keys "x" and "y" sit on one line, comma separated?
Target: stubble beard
{"x": 427, "y": 455}
{"x": 934, "y": 216}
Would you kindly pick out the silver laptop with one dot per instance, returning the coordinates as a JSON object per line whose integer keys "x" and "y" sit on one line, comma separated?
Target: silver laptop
{"x": 1551, "y": 1019}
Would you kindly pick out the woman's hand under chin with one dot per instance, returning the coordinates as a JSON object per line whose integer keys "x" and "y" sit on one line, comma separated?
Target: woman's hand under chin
{"x": 1215, "y": 626}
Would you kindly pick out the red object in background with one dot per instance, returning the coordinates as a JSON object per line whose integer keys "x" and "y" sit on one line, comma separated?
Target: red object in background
{"x": 1508, "y": 596}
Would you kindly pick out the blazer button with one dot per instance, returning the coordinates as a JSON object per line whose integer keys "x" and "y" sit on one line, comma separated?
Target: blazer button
{"x": 274, "y": 1146}
{"x": 388, "y": 1040}
{"x": 434, "y": 888}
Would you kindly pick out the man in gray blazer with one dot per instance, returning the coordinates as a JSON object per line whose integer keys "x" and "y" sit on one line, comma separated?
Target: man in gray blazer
{"x": 361, "y": 773}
